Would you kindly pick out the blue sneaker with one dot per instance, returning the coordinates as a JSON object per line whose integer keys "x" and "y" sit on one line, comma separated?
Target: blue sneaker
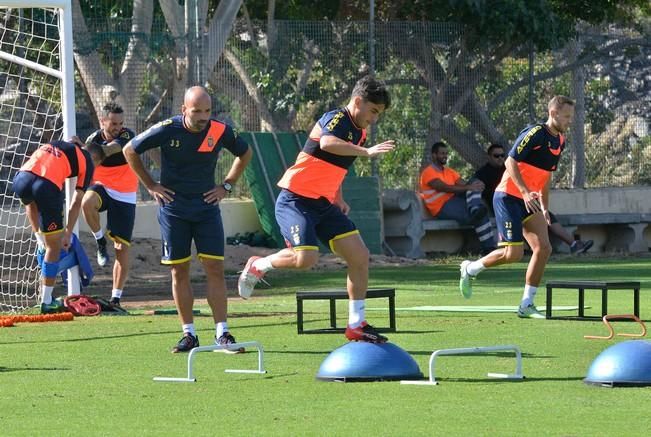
{"x": 56, "y": 306}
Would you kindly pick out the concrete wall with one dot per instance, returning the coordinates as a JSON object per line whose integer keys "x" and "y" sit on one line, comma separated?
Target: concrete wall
{"x": 238, "y": 215}
{"x": 602, "y": 200}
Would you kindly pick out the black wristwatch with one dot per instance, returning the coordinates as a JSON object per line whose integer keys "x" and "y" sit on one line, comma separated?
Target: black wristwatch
{"x": 228, "y": 187}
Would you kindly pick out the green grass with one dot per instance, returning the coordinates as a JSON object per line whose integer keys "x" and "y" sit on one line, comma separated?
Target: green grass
{"x": 93, "y": 376}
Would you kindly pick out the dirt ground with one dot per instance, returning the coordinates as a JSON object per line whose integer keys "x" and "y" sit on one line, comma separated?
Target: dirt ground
{"x": 149, "y": 281}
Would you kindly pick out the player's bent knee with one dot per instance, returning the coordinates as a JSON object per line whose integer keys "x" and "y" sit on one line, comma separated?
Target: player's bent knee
{"x": 513, "y": 254}
{"x": 360, "y": 259}
{"x": 306, "y": 259}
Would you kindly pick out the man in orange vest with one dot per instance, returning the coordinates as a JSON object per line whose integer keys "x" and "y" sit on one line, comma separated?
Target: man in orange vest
{"x": 444, "y": 194}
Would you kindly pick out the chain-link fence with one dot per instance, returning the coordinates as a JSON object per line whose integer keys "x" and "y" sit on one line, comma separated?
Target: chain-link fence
{"x": 283, "y": 77}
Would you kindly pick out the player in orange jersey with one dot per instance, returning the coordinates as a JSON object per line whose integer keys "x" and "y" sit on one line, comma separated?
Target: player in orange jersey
{"x": 521, "y": 203}
{"x": 114, "y": 191}
{"x": 310, "y": 206}
{"x": 40, "y": 185}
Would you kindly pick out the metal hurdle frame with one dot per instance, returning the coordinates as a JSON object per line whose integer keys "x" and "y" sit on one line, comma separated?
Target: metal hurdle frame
{"x": 219, "y": 348}
{"x": 473, "y": 350}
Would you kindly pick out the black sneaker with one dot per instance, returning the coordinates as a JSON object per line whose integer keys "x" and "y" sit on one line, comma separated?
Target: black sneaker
{"x": 227, "y": 339}
{"x": 579, "y": 246}
{"x": 365, "y": 332}
{"x": 186, "y": 343}
{"x": 115, "y": 306}
{"x": 102, "y": 253}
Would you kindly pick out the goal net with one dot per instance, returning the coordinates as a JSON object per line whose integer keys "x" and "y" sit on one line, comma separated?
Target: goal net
{"x": 35, "y": 79}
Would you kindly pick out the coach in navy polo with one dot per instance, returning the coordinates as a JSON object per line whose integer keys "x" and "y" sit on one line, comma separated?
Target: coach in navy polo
{"x": 189, "y": 200}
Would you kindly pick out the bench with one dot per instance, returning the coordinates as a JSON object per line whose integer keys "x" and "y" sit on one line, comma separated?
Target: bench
{"x": 333, "y": 296}
{"x": 410, "y": 231}
{"x": 581, "y": 286}
{"x": 623, "y": 232}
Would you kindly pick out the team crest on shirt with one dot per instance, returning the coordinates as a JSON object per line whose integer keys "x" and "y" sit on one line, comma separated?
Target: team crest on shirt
{"x": 509, "y": 234}
{"x": 350, "y": 136}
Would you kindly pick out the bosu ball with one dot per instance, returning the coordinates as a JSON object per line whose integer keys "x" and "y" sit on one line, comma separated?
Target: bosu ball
{"x": 362, "y": 361}
{"x": 626, "y": 364}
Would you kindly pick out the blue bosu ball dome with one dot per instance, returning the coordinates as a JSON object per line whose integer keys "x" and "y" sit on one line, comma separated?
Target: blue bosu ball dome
{"x": 624, "y": 364}
{"x": 361, "y": 361}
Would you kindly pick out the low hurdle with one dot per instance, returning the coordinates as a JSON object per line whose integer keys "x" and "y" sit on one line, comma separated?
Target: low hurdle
{"x": 473, "y": 350}
{"x": 219, "y": 348}
{"x": 611, "y": 332}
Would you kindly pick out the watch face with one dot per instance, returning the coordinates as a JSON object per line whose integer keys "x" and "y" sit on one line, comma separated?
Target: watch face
{"x": 228, "y": 187}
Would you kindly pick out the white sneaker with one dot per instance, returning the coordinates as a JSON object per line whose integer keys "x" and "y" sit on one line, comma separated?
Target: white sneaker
{"x": 249, "y": 278}
{"x": 530, "y": 312}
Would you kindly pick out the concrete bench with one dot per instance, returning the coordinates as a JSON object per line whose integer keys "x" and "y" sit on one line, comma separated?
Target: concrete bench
{"x": 332, "y": 296}
{"x": 625, "y": 232}
{"x": 410, "y": 231}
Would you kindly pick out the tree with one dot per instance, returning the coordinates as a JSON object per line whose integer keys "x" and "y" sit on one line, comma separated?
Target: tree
{"x": 453, "y": 67}
{"x": 125, "y": 85}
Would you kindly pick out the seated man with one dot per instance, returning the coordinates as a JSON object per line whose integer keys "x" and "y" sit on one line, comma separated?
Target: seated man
{"x": 491, "y": 174}
{"x": 444, "y": 194}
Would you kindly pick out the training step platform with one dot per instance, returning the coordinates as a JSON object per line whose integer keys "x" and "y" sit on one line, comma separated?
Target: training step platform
{"x": 581, "y": 286}
{"x": 332, "y": 296}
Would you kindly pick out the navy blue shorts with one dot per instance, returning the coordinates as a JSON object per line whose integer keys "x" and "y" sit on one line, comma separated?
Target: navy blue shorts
{"x": 304, "y": 221}
{"x": 186, "y": 219}
{"x": 120, "y": 216}
{"x": 49, "y": 199}
{"x": 510, "y": 214}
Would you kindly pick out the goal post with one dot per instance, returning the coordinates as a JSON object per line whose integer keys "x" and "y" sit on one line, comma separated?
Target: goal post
{"x": 36, "y": 106}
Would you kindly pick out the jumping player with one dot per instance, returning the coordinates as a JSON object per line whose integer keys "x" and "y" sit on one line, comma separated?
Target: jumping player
{"x": 189, "y": 199}
{"x": 310, "y": 206}
{"x": 40, "y": 185}
{"x": 114, "y": 190}
{"x": 521, "y": 203}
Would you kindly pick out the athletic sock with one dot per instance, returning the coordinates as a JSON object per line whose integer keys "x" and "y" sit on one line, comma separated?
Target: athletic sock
{"x": 220, "y": 329}
{"x": 475, "y": 268}
{"x": 46, "y": 297}
{"x": 99, "y": 234}
{"x": 189, "y": 328}
{"x": 40, "y": 240}
{"x": 356, "y": 313}
{"x": 116, "y": 293}
{"x": 528, "y": 296}
{"x": 263, "y": 264}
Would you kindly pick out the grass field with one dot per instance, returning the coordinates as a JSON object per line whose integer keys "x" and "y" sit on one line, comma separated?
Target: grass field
{"x": 93, "y": 376}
